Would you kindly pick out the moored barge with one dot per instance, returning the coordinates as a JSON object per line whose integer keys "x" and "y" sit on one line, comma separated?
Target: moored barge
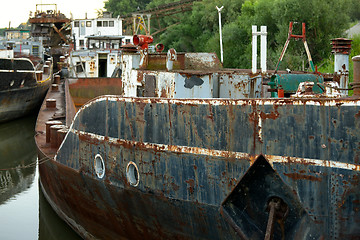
{"x": 23, "y": 86}
{"x": 186, "y": 149}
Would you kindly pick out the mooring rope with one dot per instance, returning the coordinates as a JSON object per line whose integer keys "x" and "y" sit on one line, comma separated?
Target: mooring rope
{"x": 33, "y": 164}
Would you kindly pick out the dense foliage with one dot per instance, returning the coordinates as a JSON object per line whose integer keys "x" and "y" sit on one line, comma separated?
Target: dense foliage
{"x": 125, "y": 7}
{"x": 199, "y": 29}
{"x": 24, "y": 26}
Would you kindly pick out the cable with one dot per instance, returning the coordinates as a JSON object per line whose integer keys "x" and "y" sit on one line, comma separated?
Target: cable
{"x": 33, "y": 164}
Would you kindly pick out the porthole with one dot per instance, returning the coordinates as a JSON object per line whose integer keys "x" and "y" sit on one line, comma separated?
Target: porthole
{"x": 12, "y": 83}
{"x": 132, "y": 174}
{"x": 99, "y": 166}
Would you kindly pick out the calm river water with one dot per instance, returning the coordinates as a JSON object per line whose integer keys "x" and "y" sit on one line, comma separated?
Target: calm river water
{"x": 24, "y": 212}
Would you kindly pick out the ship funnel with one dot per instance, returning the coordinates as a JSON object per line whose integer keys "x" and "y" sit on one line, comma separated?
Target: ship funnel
{"x": 341, "y": 47}
{"x": 142, "y": 40}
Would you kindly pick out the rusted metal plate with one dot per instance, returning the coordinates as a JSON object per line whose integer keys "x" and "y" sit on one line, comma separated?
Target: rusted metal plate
{"x": 150, "y": 86}
{"x": 190, "y": 155}
{"x": 84, "y": 89}
{"x": 202, "y": 61}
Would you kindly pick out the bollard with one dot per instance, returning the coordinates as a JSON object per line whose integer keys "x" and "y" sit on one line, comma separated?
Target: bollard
{"x": 50, "y": 103}
{"x": 57, "y": 79}
{"x": 61, "y": 133}
{"x": 54, "y": 136}
{"x": 46, "y": 69}
{"x": 54, "y": 87}
{"x": 48, "y": 124}
{"x": 39, "y": 76}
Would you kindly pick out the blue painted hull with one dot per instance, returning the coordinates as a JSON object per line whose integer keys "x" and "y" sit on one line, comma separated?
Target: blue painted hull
{"x": 206, "y": 169}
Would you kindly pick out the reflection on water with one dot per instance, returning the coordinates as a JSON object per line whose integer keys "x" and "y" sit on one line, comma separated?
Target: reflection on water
{"x": 24, "y": 213}
{"x": 17, "y": 150}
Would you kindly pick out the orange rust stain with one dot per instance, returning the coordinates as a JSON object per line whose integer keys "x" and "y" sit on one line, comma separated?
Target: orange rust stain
{"x": 175, "y": 187}
{"x": 140, "y": 77}
{"x": 232, "y": 183}
{"x": 357, "y": 115}
{"x": 297, "y": 176}
{"x": 356, "y": 159}
{"x": 191, "y": 183}
{"x": 273, "y": 115}
{"x": 163, "y": 93}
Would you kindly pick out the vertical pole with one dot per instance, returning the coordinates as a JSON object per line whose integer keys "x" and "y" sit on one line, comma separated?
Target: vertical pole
{"x": 134, "y": 25}
{"x": 149, "y": 16}
{"x": 221, "y": 47}
{"x": 254, "y": 49}
{"x": 309, "y": 56}
{"x": 282, "y": 54}
{"x": 263, "y": 49}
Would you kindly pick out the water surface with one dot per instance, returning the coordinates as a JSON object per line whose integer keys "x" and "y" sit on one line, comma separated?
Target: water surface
{"x": 24, "y": 212}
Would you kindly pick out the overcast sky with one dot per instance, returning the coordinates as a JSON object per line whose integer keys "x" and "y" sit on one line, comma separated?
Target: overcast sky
{"x": 17, "y": 11}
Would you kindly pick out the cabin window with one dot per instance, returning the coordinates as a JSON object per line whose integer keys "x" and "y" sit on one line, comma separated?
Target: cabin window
{"x": 80, "y": 67}
{"x": 5, "y": 64}
{"x": 99, "y": 23}
{"x": 105, "y": 24}
{"x": 88, "y": 23}
{"x": 127, "y": 41}
{"x": 81, "y": 43}
{"x": 22, "y": 65}
{"x": 111, "y": 23}
{"x": 35, "y": 50}
{"x": 76, "y": 24}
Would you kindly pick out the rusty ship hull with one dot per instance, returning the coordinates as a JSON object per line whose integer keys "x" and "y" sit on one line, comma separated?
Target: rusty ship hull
{"x": 193, "y": 157}
{"x": 21, "y": 92}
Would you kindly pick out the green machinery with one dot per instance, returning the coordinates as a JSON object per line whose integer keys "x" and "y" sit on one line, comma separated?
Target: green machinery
{"x": 289, "y": 82}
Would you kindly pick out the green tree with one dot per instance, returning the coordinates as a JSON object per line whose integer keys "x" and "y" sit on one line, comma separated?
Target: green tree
{"x": 198, "y": 30}
{"x": 125, "y": 7}
{"x": 325, "y": 19}
{"x": 200, "y": 26}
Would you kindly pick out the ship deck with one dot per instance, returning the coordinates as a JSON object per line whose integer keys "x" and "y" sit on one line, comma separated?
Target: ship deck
{"x": 52, "y": 109}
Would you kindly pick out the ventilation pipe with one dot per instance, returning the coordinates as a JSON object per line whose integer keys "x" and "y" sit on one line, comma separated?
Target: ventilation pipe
{"x": 341, "y": 47}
